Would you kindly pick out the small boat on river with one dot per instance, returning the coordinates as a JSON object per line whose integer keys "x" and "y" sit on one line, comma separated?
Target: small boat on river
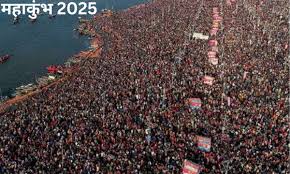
{"x": 4, "y": 58}
{"x": 16, "y": 20}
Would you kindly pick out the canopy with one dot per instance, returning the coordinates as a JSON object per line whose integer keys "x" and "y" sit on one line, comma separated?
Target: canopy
{"x": 200, "y": 36}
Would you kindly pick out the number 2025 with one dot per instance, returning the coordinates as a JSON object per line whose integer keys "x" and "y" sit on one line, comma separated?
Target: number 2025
{"x": 81, "y": 8}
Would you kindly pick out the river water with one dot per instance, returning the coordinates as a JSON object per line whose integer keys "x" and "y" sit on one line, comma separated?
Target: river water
{"x": 35, "y": 46}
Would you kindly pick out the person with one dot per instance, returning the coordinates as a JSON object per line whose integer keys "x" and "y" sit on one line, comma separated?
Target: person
{"x": 98, "y": 120}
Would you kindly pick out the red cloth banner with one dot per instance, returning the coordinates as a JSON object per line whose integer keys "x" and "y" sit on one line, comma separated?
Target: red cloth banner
{"x": 215, "y": 49}
{"x": 215, "y": 10}
{"x": 208, "y": 80}
{"x": 213, "y": 31}
{"x": 190, "y": 167}
{"x": 211, "y": 54}
{"x": 204, "y": 143}
{"x": 194, "y": 103}
{"x": 213, "y": 61}
{"x": 212, "y": 43}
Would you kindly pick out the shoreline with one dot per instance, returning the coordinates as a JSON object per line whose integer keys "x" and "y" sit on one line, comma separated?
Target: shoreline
{"x": 95, "y": 51}
{"x": 96, "y": 46}
{"x": 161, "y": 97}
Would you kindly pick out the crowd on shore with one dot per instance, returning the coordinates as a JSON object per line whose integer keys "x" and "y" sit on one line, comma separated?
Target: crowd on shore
{"x": 126, "y": 112}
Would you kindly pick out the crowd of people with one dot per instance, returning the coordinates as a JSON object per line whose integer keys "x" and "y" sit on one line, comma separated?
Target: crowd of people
{"x": 126, "y": 111}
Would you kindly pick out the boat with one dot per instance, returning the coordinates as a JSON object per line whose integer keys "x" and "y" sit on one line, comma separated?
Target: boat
{"x": 51, "y": 16}
{"x": 45, "y": 80}
{"x": 24, "y": 89}
{"x": 83, "y": 20}
{"x": 3, "y": 99}
{"x": 52, "y": 69}
{"x": 4, "y": 59}
{"x": 16, "y": 20}
{"x": 24, "y": 86}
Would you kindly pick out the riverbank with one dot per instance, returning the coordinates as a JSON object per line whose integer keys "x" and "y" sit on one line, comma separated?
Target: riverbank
{"x": 95, "y": 51}
{"x": 49, "y": 41}
{"x": 159, "y": 99}
{"x": 96, "y": 47}
{"x": 87, "y": 28}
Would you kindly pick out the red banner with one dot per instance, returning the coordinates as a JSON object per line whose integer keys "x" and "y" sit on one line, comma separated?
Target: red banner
{"x": 204, "y": 143}
{"x": 190, "y": 167}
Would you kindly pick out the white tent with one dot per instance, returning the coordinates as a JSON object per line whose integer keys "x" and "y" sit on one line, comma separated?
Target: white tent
{"x": 200, "y": 36}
